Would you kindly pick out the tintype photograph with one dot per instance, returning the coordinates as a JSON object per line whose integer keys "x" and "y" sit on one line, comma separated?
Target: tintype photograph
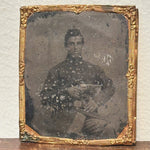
{"x": 75, "y": 79}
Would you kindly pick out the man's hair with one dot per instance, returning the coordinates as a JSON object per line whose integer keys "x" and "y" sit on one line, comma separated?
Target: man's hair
{"x": 72, "y": 32}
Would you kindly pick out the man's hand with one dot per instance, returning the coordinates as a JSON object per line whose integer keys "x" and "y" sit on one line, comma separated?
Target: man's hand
{"x": 90, "y": 106}
{"x": 74, "y": 91}
{"x": 77, "y": 91}
{"x": 93, "y": 125}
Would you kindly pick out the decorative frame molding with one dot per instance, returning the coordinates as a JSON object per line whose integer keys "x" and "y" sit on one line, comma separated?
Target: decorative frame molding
{"x": 128, "y": 135}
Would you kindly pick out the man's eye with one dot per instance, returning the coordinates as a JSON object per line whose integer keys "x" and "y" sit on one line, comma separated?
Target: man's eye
{"x": 70, "y": 44}
{"x": 79, "y": 43}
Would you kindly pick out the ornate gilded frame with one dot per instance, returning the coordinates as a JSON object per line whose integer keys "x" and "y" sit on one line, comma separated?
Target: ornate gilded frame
{"x": 128, "y": 135}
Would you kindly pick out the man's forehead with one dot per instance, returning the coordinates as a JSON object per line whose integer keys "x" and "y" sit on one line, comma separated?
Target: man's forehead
{"x": 75, "y": 38}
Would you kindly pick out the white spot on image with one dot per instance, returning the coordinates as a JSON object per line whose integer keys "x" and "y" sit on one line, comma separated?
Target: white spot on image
{"x": 98, "y": 55}
{"x": 53, "y": 95}
{"x": 62, "y": 97}
{"x": 107, "y": 59}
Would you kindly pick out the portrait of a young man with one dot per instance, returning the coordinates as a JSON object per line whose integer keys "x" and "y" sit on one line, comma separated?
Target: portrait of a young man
{"x": 75, "y": 74}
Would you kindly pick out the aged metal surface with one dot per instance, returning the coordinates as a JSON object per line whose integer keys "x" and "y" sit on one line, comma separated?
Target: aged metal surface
{"x": 127, "y": 137}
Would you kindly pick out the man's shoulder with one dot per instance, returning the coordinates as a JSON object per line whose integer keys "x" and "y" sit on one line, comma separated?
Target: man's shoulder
{"x": 59, "y": 66}
{"x": 92, "y": 66}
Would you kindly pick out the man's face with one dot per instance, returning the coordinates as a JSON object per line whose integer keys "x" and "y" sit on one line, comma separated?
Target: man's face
{"x": 74, "y": 46}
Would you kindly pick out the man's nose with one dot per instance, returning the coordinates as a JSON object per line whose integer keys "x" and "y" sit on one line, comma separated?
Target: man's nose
{"x": 75, "y": 46}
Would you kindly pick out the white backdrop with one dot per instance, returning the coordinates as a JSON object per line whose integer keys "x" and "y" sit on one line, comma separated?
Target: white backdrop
{"x": 9, "y": 54}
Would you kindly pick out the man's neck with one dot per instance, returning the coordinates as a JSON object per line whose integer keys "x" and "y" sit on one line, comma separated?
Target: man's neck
{"x": 74, "y": 58}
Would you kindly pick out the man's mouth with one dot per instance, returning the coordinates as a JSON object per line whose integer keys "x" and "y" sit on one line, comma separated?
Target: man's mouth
{"x": 76, "y": 52}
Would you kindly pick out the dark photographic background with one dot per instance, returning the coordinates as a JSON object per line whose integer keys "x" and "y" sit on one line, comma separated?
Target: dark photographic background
{"x": 106, "y": 45}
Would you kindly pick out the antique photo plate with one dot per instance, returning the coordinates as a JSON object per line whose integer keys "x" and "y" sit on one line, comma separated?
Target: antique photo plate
{"x": 78, "y": 74}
